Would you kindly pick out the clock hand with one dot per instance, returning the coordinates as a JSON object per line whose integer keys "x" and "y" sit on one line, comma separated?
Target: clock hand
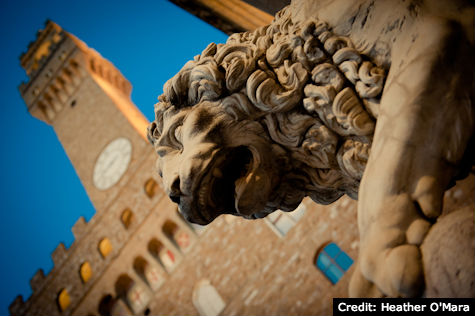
{"x": 111, "y": 162}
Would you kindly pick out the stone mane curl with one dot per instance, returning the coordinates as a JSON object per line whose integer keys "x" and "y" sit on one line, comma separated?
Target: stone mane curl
{"x": 264, "y": 75}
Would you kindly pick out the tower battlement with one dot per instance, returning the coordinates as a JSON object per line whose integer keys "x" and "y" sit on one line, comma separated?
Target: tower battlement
{"x": 39, "y": 50}
{"x": 37, "y": 281}
{"x": 18, "y": 306}
{"x": 79, "y": 228}
{"x": 56, "y": 63}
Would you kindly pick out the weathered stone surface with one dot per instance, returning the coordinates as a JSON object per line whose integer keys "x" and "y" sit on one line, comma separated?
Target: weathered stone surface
{"x": 448, "y": 254}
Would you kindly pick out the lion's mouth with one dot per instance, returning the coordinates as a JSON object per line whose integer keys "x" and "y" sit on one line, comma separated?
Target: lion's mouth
{"x": 217, "y": 190}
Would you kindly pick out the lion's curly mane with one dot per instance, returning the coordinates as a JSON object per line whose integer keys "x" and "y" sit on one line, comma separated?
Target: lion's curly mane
{"x": 314, "y": 93}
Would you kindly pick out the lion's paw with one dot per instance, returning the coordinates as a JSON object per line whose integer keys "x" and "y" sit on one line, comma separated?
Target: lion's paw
{"x": 362, "y": 287}
{"x": 400, "y": 272}
{"x": 390, "y": 260}
{"x": 394, "y": 272}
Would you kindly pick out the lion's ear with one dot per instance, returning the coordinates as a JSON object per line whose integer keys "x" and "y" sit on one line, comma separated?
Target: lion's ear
{"x": 153, "y": 133}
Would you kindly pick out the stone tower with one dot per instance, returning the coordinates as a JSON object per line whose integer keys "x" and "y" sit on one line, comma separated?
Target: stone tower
{"x": 137, "y": 255}
{"x": 87, "y": 102}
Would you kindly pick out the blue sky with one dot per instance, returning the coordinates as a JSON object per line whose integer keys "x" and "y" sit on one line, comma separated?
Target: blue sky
{"x": 41, "y": 195}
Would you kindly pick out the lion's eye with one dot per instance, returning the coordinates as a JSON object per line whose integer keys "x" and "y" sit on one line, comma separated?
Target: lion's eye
{"x": 163, "y": 150}
{"x": 170, "y": 140}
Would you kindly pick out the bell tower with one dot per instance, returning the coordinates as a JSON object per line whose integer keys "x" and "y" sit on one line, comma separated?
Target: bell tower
{"x": 87, "y": 101}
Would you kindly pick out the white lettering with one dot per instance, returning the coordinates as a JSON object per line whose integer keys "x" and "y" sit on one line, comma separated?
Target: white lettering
{"x": 454, "y": 308}
{"x": 341, "y": 307}
{"x": 448, "y": 306}
{"x": 363, "y": 307}
{"x": 385, "y": 307}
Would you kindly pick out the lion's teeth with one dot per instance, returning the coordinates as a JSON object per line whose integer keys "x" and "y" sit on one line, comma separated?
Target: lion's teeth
{"x": 217, "y": 173}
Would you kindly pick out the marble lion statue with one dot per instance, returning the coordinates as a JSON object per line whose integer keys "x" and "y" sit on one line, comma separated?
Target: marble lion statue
{"x": 373, "y": 99}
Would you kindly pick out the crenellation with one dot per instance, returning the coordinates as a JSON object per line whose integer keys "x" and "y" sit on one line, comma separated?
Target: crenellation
{"x": 59, "y": 254}
{"x": 37, "y": 281}
{"x": 47, "y": 91}
{"x": 56, "y": 45}
{"x": 22, "y": 87}
{"x": 79, "y": 228}
{"x": 17, "y": 307}
{"x": 42, "y": 49}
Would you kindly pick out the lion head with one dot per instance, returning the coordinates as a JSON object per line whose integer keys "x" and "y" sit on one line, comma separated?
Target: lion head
{"x": 270, "y": 117}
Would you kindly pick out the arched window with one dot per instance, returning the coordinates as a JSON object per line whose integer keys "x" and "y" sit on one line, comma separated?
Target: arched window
{"x": 74, "y": 64}
{"x": 63, "y": 300}
{"x": 105, "y": 305}
{"x": 281, "y": 222}
{"x": 151, "y": 187}
{"x": 123, "y": 284}
{"x": 154, "y": 247}
{"x": 333, "y": 262}
{"x": 167, "y": 258}
{"x": 85, "y": 271}
{"x": 150, "y": 273}
{"x": 68, "y": 74}
{"x": 177, "y": 235}
{"x": 164, "y": 255}
{"x": 206, "y": 299}
{"x": 110, "y": 306}
{"x": 105, "y": 247}
{"x": 127, "y": 218}
{"x": 136, "y": 296}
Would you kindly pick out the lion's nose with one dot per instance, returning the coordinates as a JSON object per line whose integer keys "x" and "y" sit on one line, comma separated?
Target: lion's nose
{"x": 174, "y": 191}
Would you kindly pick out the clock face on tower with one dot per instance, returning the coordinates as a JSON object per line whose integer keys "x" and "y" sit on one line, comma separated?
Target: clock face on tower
{"x": 112, "y": 163}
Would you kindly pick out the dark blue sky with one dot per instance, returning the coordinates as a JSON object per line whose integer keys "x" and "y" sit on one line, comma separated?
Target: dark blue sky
{"x": 41, "y": 195}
